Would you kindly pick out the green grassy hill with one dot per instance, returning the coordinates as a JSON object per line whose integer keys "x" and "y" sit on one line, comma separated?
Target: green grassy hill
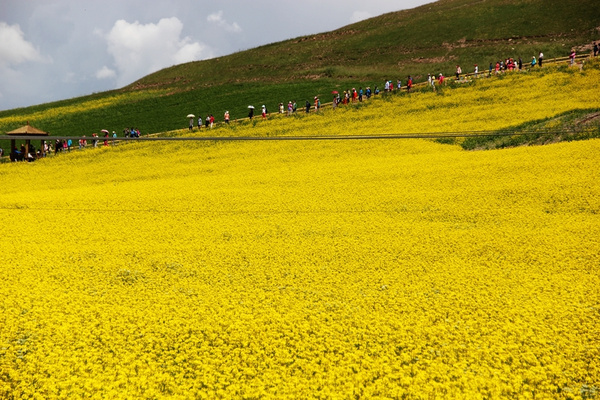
{"x": 429, "y": 39}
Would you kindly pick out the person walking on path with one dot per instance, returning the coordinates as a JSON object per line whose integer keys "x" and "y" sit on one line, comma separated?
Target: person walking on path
{"x": 540, "y": 59}
{"x": 595, "y": 49}
{"x": 572, "y": 56}
{"x": 226, "y": 117}
{"x": 199, "y": 122}
{"x": 533, "y": 62}
{"x": 458, "y": 72}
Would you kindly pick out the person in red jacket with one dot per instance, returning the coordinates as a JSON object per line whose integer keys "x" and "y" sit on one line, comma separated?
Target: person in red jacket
{"x": 572, "y": 56}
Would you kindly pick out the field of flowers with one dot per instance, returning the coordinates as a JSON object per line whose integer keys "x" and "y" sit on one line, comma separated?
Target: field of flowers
{"x": 313, "y": 269}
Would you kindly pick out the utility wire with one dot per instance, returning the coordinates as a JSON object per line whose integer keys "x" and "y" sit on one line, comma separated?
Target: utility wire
{"x": 425, "y": 135}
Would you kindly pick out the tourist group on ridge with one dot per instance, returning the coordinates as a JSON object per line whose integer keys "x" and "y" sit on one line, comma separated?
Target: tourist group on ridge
{"x": 346, "y": 97}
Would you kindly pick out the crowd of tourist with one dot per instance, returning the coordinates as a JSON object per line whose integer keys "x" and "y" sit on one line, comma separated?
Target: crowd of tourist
{"x": 348, "y": 96}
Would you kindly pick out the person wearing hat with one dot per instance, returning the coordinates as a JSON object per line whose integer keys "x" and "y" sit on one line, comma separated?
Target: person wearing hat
{"x": 226, "y": 117}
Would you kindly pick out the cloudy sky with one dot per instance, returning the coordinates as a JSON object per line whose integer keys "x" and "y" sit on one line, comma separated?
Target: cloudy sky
{"x": 59, "y": 49}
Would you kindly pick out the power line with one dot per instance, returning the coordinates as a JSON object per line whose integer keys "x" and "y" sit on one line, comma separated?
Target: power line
{"x": 423, "y": 135}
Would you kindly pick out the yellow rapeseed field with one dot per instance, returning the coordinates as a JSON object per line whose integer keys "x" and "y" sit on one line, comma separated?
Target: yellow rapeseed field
{"x": 310, "y": 269}
{"x": 492, "y": 104}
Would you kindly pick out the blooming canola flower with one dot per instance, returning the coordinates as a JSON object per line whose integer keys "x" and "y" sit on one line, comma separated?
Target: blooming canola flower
{"x": 304, "y": 269}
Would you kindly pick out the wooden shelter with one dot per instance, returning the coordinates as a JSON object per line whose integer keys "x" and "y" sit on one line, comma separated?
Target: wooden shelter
{"x": 25, "y": 131}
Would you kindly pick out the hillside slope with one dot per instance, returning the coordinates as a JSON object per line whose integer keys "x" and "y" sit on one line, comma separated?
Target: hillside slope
{"x": 300, "y": 269}
{"x": 429, "y": 39}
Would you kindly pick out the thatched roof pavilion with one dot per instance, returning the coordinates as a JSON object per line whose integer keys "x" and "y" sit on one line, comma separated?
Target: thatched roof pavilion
{"x": 26, "y": 130}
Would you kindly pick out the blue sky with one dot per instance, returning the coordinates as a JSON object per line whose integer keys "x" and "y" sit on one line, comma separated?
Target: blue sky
{"x": 59, "y": 49}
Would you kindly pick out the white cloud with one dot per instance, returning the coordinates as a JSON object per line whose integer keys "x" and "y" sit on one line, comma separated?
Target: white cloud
{"x": 14, "y": 49}
{"x": 217, "y": 18}
{"x": 140, "y": 49}
{"x": 69, "y": 77}
{"x": 105, "y": 73}
{"x": 360, "y": 16}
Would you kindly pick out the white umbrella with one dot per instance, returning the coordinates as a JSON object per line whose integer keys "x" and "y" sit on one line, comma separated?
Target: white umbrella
{"x": 191, "y": 116}
{"x": 250, "y": 106}
{"x": 104, "y": 131}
